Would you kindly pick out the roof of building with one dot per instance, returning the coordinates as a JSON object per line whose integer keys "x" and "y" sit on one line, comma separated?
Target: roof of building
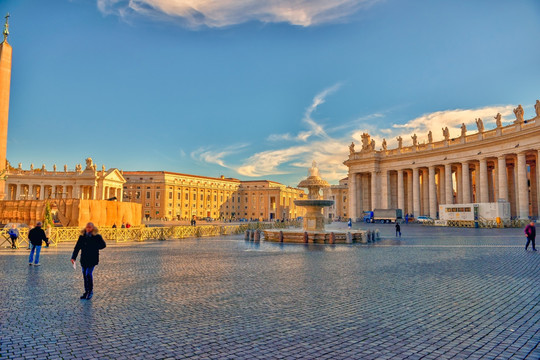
{"x": 128, "y": 173}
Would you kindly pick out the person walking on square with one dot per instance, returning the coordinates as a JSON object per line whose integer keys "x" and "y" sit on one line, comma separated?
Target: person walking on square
{"x": 398, "y": 229}
{"x": 349, "y": 223}
{"x": 530, "y": 233}
{"x": 13, "y": 235}
{"x": 89, "y": 243}
{"x": 36, "y": 236}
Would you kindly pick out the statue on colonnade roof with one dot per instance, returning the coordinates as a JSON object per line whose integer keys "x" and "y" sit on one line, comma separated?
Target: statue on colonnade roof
{"x": 446, "y": 133}
{"x": 537, "y": 107}
{"x": 351, "y": 149}
{"x": 366, "y": 142}
{"x": 480, "y": 125}
{"x": 400, "y": 142}
{"x": 384, "y": 145}
{"x": 519, "y": 114}
{"x": 498, "y": 120}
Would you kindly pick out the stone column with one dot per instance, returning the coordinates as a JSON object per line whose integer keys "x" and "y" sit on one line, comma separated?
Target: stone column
{"x": 416, "y": 192}
{"x": 352, "y": 196}
{"x": 17, "y": 192}
{"x": 449, "y": 191}
{"x": 466, "y": 182}
{"x": 374, "y": 190}
{"x": 384, "y": 189}
{"x": 484, "y": 186}
{"x": 522, "y": 187}
{"x": 400, "y": 191}
{"x": 425, "y": 193}
{"x": 432, "y": 193}
{"x": 503, "y": 178}
{"x": 359, "y": 196}
{"x": 459, "y": 180}
{"x": 409, "y": 191}
{"x": 441, "y": 193}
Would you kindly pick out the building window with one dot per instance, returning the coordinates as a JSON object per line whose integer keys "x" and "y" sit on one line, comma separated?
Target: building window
{"x": 180, "y": 196}
{"x": 148, "y": 194}
{"x": 187, "y": 196}
{"x": 138, "y": 195}
{"x": 157, "y": 204}
{"x": 157, "y": 195}
{"x": 170, "y": 195}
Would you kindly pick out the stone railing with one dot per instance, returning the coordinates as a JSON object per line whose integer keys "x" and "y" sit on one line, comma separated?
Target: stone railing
{"x": 467, "y": 139}
{"x": 142, "y": 233}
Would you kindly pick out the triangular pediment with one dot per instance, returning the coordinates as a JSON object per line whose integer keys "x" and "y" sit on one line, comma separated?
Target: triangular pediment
{"x": 114, "y": 175}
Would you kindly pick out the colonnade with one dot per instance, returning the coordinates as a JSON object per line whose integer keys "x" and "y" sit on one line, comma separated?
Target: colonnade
{"x": 419, "y": 190}
{"x": 43, "y": 192}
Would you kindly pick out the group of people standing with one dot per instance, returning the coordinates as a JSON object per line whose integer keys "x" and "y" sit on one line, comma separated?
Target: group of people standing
{"x": 89, "y": 244}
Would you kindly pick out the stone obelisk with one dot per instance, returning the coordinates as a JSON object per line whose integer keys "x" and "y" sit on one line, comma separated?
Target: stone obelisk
{"x": 5, "y": 83}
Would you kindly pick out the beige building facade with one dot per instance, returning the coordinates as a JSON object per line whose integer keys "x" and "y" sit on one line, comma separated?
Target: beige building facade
{"x": 338, "y": 193}
{"x": 500, "y": 164}
{"x": 176, "y": 196}
{"x": 87, "y": 183}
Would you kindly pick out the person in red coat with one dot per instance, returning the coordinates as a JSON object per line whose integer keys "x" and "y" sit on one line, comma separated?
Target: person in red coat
{"x": 89, "y": 243}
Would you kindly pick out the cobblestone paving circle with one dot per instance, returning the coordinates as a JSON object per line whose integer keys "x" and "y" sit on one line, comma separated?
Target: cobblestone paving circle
{"x": 436, "y": 293}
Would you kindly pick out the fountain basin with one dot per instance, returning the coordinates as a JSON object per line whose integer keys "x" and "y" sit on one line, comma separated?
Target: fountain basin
{"x": 318, "y": 237}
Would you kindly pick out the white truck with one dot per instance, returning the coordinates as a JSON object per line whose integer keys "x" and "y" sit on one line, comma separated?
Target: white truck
{"x": 387, "y": 215}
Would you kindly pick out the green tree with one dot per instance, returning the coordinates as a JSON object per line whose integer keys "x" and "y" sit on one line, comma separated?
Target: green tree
{"x": 48, "y": 218}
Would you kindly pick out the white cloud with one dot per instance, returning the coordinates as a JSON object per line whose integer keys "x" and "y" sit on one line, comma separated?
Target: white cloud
{"x": 220, "y": 13}
{"x": 330, "y": 152}
{"x": 452, "y": 118}
{"x": 213, "y": 157}
{"x": 314, "y": 128}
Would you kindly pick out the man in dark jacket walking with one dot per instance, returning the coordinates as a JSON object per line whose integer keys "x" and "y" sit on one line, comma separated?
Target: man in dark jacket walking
{"x": 36, "y": 237}
{"x": 530, "y": 233}
{"x": 89, "y": 243}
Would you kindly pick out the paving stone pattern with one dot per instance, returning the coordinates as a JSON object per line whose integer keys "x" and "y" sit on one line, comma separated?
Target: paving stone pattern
{"x": 436, "y": 293}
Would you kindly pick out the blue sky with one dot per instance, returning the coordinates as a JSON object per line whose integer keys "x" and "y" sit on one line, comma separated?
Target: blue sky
{"x": 258, "y": 89}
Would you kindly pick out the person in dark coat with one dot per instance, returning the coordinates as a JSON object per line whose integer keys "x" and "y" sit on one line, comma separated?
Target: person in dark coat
{"x": 530, "y": 233}
{"x": 89, "y": 243}
{"x": 398, "y": 229}
{"x": 36, "y": 236}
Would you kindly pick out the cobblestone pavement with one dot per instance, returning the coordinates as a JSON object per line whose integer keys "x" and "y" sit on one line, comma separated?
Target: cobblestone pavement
{"x": 436, "y": 293}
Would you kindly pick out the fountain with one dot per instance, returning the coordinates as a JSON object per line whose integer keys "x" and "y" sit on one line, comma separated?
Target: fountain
{"x": 313, "y": 222}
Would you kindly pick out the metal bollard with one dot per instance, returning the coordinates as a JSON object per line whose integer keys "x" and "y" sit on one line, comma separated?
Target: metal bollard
{"x": 332, "y": 238}
{"x": 348, "y": 239}
{"x": 306, "y": 238}
{"x": 363, "y": 238}
{"x": 368, "y": 236}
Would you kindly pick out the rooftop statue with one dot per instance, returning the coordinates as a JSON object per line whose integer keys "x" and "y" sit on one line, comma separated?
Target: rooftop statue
{"x": 463, "y": 130}
{"x": 400, "y": 142}
{"x": 89, "y": 164}
{"x": 372, "y": 144}
{"x": 519, "y": 114}
{"x": 65, "y": 168}
{"x": 414, "y": 140}
{"x": 498, "y": 120}
{"x": 480, "y": 125}
{"x": 351, "y": 149}
{"x": 446, "y": 133}
{"x": 430, "y": 136}
{"x": 537, "y": 107}
{"x": 366, "y": 141}
{"x": 384, "y": 145}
